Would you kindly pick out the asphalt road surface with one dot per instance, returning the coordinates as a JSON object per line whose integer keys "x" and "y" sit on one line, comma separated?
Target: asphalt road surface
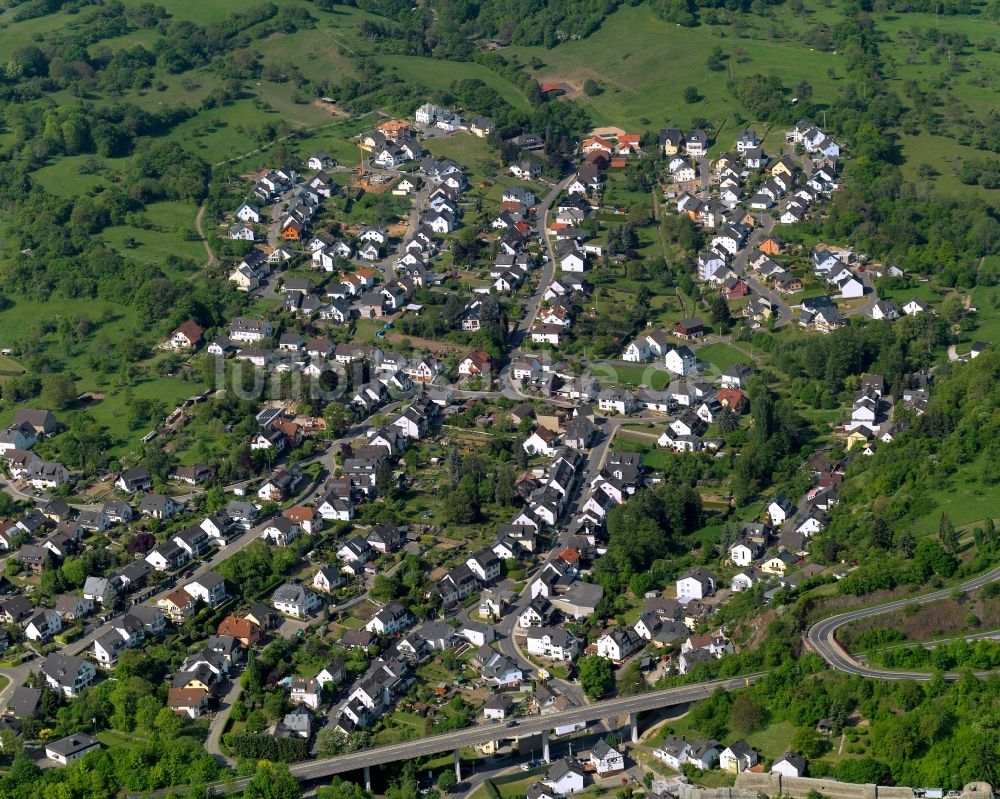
{"x": 421, "y": 747}
{"x": 822, "y": 635}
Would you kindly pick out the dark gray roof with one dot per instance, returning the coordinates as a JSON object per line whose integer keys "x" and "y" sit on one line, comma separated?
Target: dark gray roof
{"x": 24, "y": 702}
{"x": 72, "y": 744}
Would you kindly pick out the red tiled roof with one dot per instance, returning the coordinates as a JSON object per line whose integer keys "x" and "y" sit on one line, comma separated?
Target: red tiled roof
{"x": 191, "y": 331}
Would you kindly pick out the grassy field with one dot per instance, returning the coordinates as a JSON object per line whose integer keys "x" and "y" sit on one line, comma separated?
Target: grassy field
{"x": 470, "y": 151}
{"x": 626, "y": 374}
{"x": 171, "y": 224}
{"x": 438, "y": 75}
{"x": 721, "y": 356}
{"x": 633, "y": 53}
{"x": 9, "y": 367}
{"x": 965, "y": 498}
{"x": 65, "y": 178}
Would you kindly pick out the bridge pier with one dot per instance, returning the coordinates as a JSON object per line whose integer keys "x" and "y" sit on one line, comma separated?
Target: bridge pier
{"x": 368, "y": 779}
{"x": 633, "y": 723}
{"x": 458, "y": 767}
{"x": 545, "y": 746}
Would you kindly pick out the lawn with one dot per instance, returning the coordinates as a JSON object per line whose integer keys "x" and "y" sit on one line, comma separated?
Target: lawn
{"x": 625, "y": 374}
{"x": 231, "y": 130}
{"x": 774, "y": 740}
{"x": 922, "y": 291}
{"x": 986, "y": 299}
{"x": 111, "y": 412}
{"x": 17, "y": 321}
{"x": 721, "y": 356}
{"x": 114, "y": 739}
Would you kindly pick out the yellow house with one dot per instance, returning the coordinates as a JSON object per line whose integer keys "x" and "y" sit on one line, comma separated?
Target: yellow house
{"x": 178, "y": 605}
{"x": 783, "y": 166}
{"x": 860, "y": 435}
{"x": 671, "y": 140}
{"x": 779, "y": 563}
{"x": 194, "y": 684}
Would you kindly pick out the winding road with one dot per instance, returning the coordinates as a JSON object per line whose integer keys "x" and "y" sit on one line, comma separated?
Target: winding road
{"x": 822, "y": 639}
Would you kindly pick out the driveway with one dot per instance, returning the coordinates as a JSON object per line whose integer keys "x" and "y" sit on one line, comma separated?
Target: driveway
{"x": 218, "y": 723}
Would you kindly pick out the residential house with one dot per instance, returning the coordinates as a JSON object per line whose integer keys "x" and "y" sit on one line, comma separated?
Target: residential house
{"x": 177, "y": 606}
{"x": 780, "y": 510}
{"x": 72, "y": 748}
{"x": 245, "y": 631}
{"x": 67, "y": 674}
{"x": 391, "y": 619}
{"x": 915, "y": 307}
{"x": 190, "y": 702}
{"x": 738, "y": 757}
{"x": 47, "y": 475}
{"x": 281, "y": 531}
{"x": 295, "y": 600}
{"x": 564, "y": 777}
{"x": 790, "y": 765}
{"x": 542, "y": 441}
{"x": 43, "y": 422}
{"x": 553, "y": 643}
{"x": 689, "y": 329}
{"x": 192, "y": 540}
{"x": 681, "y": 361}
{"x": 305, "y": 691}
{"x": 499, "y": 707}
{"x": 618, "y": 643}
{"x": 605, "y": 759}
{"x": 695, "y": 583}
{"x": 158, "y": 506}
{"x": 210, "y": 588}
{"x": 43, "y": 626}
{"x": 328, "y": 579}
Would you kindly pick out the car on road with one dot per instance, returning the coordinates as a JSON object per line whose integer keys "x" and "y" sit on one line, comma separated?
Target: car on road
{"x": 511, "y": 723}
{"x": 525, "y": 767}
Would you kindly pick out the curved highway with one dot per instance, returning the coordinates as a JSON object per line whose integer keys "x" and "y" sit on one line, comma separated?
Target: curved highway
{"x": 822, "y": 636}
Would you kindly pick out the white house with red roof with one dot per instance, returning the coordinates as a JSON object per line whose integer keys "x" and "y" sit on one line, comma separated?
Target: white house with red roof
{"x": 187, "y": 336}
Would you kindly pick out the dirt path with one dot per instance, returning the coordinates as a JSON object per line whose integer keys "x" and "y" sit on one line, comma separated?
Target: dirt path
{"x": 212, "y": 260}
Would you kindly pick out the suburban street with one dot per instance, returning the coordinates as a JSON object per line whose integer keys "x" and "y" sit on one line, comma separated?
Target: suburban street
{"x": 783, "y": 313}
{"x": 548, "y": 269}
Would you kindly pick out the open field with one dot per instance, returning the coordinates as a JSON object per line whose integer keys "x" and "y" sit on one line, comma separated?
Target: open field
{"x": 172, "y": 224}
{"x": 9, "y": 368}
{"x": 644, "y": 65}
{"x": 438, "y": 75}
